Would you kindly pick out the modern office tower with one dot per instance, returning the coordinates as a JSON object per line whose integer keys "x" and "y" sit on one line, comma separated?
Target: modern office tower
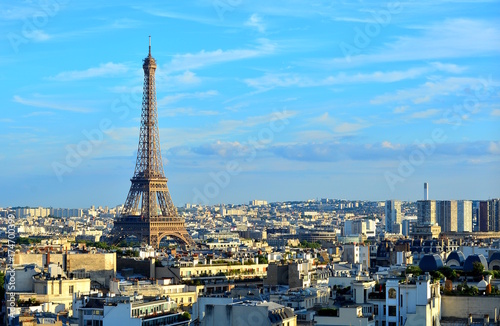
{"x": 464, "y": 216}
{"x": 426, "y": 212}
{"x": 407, "y": 226}
{"x": 494, "y": 216}
{"x": 392, "y": 214}
{"x": 497, "y": 215}
{"x": 489, "y": 215}
{"x": 475, "y": 216}
{"x": 484, "y": 212}
{"x": 447, "y": 215}
{"x": 426, "y": 191}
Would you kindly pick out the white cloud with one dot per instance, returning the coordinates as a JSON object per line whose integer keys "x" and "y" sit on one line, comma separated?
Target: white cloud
{"x": 185, "y": 112}
{"x": 423, "y": 99}
{"x": 256, "y": 21}
{"x": 347, "y": 127}
{"x": 448, "y": 67}
{"x": 495, "y": 112}
{"x": 187, "y": 77}
{"x": 48, "y": 105}
{"x": 401, "y": 109}
{"x": 424, "y": 114}
{"x": 180, "y": 96}
{"x": 494, "y": 148}
{"x": 388, "y": 144}
{"x": 313, "y": 135}
{"x": 453, "y": 38}
{"x": 37, "y": 35}
{"x": 204, "y": 58}
{"x": 109, "y": 69}
{"x": 271, "y": 80}
{"x": 324, "y": 119}
{"x": 436, "y": 87}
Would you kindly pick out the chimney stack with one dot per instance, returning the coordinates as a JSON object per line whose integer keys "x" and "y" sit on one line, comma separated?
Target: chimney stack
{"x": 426, "y": 191}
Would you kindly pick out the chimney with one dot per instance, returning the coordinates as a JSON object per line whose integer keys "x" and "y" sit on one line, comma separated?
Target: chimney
{"x": 426, "y": 191}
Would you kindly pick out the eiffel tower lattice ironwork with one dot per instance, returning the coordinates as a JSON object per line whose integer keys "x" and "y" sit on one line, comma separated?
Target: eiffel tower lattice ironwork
{"x": 149, "y": 213}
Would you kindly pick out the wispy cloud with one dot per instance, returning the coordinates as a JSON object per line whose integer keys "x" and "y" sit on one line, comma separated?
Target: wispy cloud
{"x": 495, "y": 112}
{"x": 323, "y": 119}
{"x": 47, "y": 105}
{"x": 39, "y": 114}
{"x": 109, "y": 69}
{"x": 436, "y": 41}
{"x": 433, "y": 88}
{"x": 388, "y": 144}
{"x": 494, "y": 148}
{"x": 332, "y": 151}
{"x": 347, "y": 127}
{"x": 185, "y": 112}
{"x": 37, "y": 35}
{"x": 424, "y": 114}
{"x": 255, "y": 21}
{"x": 180, "y": 96}
{"x": 401, "y": 109}
{"x": 191, "y": 61}
{"x": 271, "y": 80}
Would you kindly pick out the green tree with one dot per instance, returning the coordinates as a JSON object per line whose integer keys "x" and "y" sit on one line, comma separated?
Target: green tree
{"x": 437, "y": 275}
{"x": 477, "y": 269}
{"x": 186, "y": 316}
{"x": 415, "y": 270}
{"x": 262, "y": 259}
{"x": 449, "y": 273}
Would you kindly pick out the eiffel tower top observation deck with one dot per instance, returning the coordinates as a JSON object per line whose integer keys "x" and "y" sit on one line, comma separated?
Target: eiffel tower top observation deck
{"x": 149, "y": 212}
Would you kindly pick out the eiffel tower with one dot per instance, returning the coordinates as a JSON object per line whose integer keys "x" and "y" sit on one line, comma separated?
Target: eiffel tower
{"x": 149, "y": 213}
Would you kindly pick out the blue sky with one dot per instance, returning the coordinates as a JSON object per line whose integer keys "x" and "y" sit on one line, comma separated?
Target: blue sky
{"x": 276, "y": 100}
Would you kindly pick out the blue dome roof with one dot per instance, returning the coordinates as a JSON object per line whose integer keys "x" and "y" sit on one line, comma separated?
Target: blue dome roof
{"x": 430, "y": 263}
{"x": 469, "y": 262}
{"x": 495, "y": 256}
{"x": 458, "y": 256}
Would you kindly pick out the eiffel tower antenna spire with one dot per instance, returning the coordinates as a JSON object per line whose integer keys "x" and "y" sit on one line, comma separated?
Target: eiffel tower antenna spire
{"x": 149, "y": 212}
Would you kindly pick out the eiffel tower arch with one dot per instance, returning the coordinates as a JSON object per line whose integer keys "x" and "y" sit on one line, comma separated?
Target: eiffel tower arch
{"x": 149, "y": 213}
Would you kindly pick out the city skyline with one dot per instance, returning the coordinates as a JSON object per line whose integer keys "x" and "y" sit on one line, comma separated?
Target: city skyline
{"x": 359, "y": 101}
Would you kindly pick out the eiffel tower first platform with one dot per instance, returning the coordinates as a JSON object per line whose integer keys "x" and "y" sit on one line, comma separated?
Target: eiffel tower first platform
{"x": 149, "y": 213}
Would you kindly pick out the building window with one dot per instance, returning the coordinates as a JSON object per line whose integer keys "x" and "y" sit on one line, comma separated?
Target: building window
{"x": 392, "y": 293}
{"x": 392, "y": 324}
{"x": 392, "y": 311}
{"x": 375, "y": 310}
{"x": 401, "y": 302}
{"x": 71, "y": 289}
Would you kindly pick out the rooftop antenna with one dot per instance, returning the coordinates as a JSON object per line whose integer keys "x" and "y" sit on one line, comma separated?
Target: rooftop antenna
{"x": 149, "y": 45}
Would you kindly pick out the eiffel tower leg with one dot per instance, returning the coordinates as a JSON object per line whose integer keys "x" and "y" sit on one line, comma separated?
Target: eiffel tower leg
{"x": 153, "y": 241}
